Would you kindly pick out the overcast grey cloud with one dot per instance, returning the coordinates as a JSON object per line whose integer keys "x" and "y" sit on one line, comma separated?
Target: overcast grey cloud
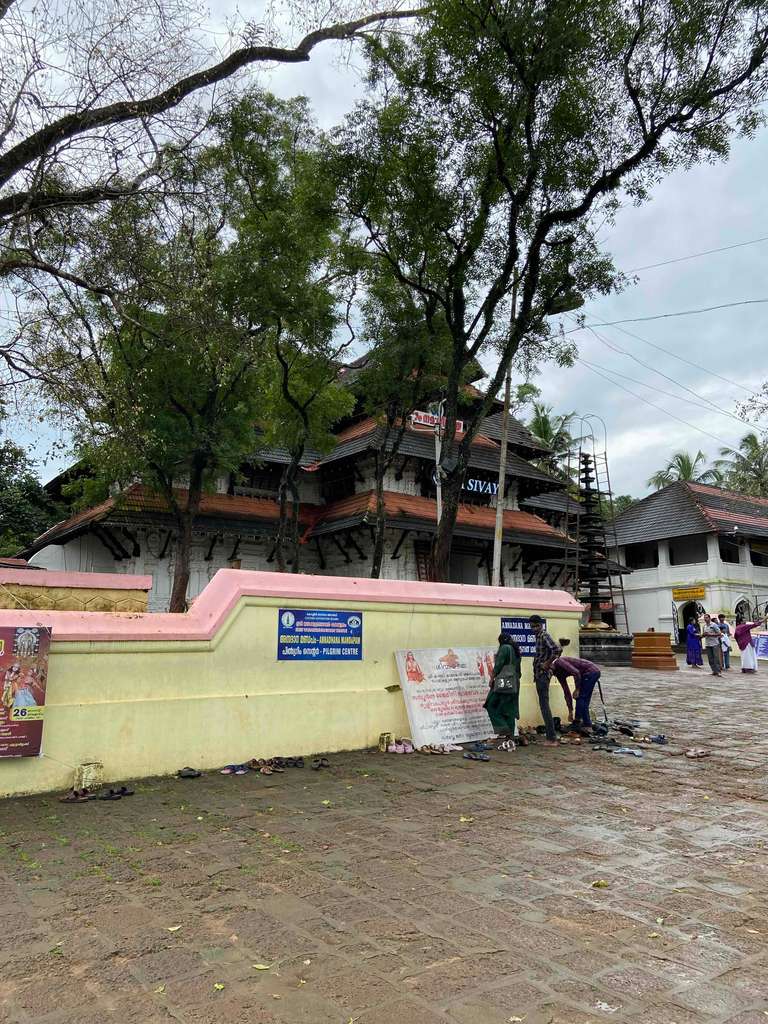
{"x": 705, "y": 208}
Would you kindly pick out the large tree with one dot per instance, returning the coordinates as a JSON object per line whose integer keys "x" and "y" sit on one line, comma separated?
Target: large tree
{"x": 405, "y": 370}
{"x": 93, "y": 94}
{"x": 499, "y": 134}
{"x": 162, "y": 344}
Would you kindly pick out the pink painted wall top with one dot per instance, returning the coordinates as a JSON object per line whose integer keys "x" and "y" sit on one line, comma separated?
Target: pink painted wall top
{"x": 79, "y": 580}
{"x": 211, "y": 608}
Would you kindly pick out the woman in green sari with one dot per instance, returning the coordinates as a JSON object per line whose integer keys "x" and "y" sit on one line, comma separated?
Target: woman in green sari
{"x": 503, "y": 701}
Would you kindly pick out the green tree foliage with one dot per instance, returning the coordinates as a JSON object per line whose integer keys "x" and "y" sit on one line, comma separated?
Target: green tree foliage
{"x": 684, "y": 466}
{"x": 745, "y": 469}
{"x": 499, "y": 132}
{"x": 26, "y": 511}
{"x": 167, "y": 359}
{"x": 406, "y": 370}
{"x": 554, "y": 431}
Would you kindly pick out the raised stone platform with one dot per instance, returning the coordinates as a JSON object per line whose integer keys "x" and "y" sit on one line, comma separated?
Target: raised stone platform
{"x": 605, "y": 647}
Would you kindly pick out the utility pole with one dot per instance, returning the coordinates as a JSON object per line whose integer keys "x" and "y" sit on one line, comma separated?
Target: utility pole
{"x": 438, "y": 467}
{"x": 498, "y": 534}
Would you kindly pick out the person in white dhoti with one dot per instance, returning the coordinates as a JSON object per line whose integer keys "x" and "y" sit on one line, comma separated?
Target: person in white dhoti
{"x": 743, "y": 637}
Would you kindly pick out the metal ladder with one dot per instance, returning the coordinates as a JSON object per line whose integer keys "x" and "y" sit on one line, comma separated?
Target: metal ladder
{"x": 587, "y": 444}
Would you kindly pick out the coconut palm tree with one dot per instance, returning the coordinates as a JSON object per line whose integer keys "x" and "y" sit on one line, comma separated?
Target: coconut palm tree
{"x": 745, "y": 468}
{"x": 554, "y": 432}
{"x": 684, "y": 466}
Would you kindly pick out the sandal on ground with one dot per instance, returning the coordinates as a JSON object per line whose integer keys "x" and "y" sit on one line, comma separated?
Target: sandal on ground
{"x": 265, "y": 770}
{"x": 696, "y": 753}
{"x": 299, "y": 762}
{"x": 242, "y": 769}
{"x": 124, "y": 791}
{"x": 474, "y": 756}
{"x": 77, "y": 796}
{"x": 188, "y": 773}
{"x": 506, "y": 745}
{"x": 480, "y": 746}
{"x": 229, "y": 770}
{"x": 395, "y": 748}
{"x": 112, "y": 794}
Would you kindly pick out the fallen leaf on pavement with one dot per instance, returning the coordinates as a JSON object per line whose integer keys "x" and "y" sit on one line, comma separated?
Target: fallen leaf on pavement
{"x": 261, "y": 967}
{"x": 174, "y": 928}
{"x": 219, "y": 987}
{"x": 659, "y": 920}
{"x": 326, "y": 803}
{"x": 654, "y": 935}
{"x": 464, "y": 818}
{"x": 159, "y": 990}
{"x": 600, "y": 884}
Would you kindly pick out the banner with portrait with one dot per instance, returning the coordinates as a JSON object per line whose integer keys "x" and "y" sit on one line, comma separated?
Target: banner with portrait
{"x": 444, "y": 691}
{"x": 23, "y": 679}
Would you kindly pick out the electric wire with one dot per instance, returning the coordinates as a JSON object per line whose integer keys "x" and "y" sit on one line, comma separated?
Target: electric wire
{"x": 672, "y": 380}
{"x": 651, "y": 387}
{"x": 660, "y": 408}
{"x": 696, "y": 255}
{"x": 684, "y": 312}
{"x": 688, "y": 362}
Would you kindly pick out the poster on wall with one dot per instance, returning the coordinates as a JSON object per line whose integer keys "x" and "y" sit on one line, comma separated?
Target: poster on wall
{"x": 522, "y": 633}
{"x": 444, "y": 691}
{"x": 23, "y": 678}
{"x": 761, "y": 645}
{"x": 319, "y": 634}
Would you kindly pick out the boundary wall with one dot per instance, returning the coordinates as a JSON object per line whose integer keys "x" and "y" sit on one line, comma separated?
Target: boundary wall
{"x": 146, "y": 694}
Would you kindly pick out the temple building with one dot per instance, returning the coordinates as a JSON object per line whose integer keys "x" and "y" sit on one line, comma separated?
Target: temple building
{"x": 132, "y": 530}
{"x": 694, "y": 548}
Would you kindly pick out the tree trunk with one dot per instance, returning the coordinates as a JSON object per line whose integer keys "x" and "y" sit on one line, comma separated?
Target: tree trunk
{"x": 288, "y": 527}
{"x": 282, "y": 524}
{"x": 295, "y": 525}
{"x": 441, "y": 546}
{"x": 186, "y": 519}
{"x": 378, "y": 547}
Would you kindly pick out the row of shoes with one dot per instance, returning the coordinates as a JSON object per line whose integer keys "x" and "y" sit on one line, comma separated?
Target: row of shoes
{"x": 83, "y": 796}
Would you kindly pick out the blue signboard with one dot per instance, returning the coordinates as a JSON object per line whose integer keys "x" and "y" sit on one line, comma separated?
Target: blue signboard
{"x": 761, "y": 645}
{"x": 522, "y": 633}
{"x": 319, "y": 634}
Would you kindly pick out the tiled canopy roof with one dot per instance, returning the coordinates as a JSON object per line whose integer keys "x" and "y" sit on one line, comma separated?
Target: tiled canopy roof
{"x": 686, "y": 508}
{"x": 402, "y": 511}
{"x": 410, "y": 511}
{"x": 419, "y": 443}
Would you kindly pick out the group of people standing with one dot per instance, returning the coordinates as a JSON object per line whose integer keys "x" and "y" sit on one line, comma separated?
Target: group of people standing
{"x": 503, "y": 701}
{"x": 716, "y": 635}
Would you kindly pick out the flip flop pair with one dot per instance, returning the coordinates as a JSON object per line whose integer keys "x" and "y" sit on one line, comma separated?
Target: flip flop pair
{"x": 235, "y": 769}
{"x": 116, "y": 794}
{"x": 473, "y": 755}
{"x": 320, "y": 762}
{"x": 188, "y": 773}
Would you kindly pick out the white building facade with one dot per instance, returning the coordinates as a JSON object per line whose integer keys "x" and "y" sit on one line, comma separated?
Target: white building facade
{"x": 694, "y": 548}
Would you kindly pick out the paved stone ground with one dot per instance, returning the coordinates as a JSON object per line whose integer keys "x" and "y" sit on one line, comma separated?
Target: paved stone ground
{"x": 412, "y": 888}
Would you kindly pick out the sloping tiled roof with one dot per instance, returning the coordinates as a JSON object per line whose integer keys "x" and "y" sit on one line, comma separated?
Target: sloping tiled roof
{"x": 517, "y": 432}
{"x": 137, "y": 501}
{"x": 686, "y": 508}
{"x": 557, "y": 501}
{"x": 407, "y": 510}
{"x": 417, "y": 443}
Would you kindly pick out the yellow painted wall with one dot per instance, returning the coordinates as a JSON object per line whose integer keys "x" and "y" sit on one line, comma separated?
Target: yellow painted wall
{"x": 72, "y": 599}
{"x": 148, "y": 708}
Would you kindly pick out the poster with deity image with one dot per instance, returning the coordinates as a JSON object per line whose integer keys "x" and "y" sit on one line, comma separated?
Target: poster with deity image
{"x": 444, "y": 691}
{"x": 23, "y": 678}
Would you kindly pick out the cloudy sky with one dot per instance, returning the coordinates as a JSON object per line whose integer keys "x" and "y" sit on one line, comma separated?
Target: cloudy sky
{"x": 706, "y": 208}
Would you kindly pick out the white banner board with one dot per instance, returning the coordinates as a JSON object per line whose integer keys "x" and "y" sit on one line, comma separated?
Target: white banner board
{"x": 444, "y": 690}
